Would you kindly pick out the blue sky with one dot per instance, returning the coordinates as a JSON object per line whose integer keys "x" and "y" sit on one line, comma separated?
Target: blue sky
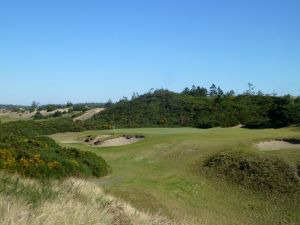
{"x": 53, "y": 51}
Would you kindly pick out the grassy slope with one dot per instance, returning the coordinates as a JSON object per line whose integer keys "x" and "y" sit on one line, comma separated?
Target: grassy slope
{"x": 70, "y": 201}
{"x": 164, "y": 173}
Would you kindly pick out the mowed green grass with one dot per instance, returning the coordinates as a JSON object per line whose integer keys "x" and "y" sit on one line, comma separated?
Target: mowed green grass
{"x": 164, "y": 173}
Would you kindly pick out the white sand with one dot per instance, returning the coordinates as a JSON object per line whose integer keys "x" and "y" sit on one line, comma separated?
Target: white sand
{"x": 276, "y": 145}
{"x": 119, "y": 141}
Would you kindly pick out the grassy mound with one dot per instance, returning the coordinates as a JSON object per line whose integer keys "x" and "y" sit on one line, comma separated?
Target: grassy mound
{"x": 256, "y": 172}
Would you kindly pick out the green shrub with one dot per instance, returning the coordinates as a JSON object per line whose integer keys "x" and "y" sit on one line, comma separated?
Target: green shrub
{"x": 51, "y": 108}
{"x": 255, "y": 172}
{"x": 42, "y": 157}
{"x": 23, "y": 150}
{"x": 38, "y": 116}
{"x": 208, "y": 124}
{"x": 57, "y": 114}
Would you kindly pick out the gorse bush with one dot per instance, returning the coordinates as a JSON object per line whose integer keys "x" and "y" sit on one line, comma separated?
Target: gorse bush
{"x": 42, "y": 157}
{"x": 256, "y": 172}
{"x": 22, "y": 150}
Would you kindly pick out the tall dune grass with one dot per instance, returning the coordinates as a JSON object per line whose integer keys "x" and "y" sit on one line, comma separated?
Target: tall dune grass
{"x": 72, "y": 201}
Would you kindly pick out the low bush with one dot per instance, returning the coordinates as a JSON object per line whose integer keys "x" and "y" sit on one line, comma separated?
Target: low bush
{"x": 38, "y": 116}
{"x": 41, "y": 158}
{"x": 256, "y": 172}
{"x": 24, "y": 150}
{"x": 34, "y": 128}
{"x": 57, "y": 114}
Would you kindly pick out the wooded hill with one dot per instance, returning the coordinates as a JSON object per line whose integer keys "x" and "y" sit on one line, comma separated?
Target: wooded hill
{"x": 198, "y": 107}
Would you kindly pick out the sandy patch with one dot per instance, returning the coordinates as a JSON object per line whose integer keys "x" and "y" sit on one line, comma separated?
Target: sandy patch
{"x": 110, "y": 140}
{"x": 119, "y": 141}
{"x": 238, "y": 126}
{"x": 105, "y": 140}
{"x": 89, "y": 114}
{"x": 45, "y": 113}
{"x": 27, "y": 114}
{"x": 16, "y": 115}
{"x": 278, "y": 145}
{"x": 96, "y": 140}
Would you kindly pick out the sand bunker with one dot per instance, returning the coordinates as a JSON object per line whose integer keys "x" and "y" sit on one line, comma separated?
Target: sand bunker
{"x": 119, "y": 141}
{"x": 108, "y": 141}
{"x": 105, "y": 140}
{"x": 278, "y": 144}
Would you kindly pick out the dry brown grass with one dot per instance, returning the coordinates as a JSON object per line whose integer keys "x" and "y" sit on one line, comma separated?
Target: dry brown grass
{"x": 77, "y": 202}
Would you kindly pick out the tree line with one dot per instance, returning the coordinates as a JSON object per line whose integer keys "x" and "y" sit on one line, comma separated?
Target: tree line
{"x": 203, "y": 108}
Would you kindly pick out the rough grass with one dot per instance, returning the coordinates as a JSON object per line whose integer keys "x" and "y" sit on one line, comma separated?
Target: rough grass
{"x": 165, "y": 174}
{"x": 72, "y": 201}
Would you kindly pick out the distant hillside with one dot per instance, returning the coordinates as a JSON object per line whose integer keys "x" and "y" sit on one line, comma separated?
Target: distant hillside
{"x": 79, "y": 111}
{"x": 10, "y": 106}
{"x": 163, "y": 108}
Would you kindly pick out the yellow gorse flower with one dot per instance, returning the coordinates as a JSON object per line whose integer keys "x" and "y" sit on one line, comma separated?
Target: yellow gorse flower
{"x": 8, "y": 158}
{"x": 54, "y": 165}
{"x": 25, "y": 163}
{"x": 37, "y": 160}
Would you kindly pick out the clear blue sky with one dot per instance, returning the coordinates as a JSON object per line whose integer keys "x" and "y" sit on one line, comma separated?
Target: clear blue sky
{"x": 53, "y": 51}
